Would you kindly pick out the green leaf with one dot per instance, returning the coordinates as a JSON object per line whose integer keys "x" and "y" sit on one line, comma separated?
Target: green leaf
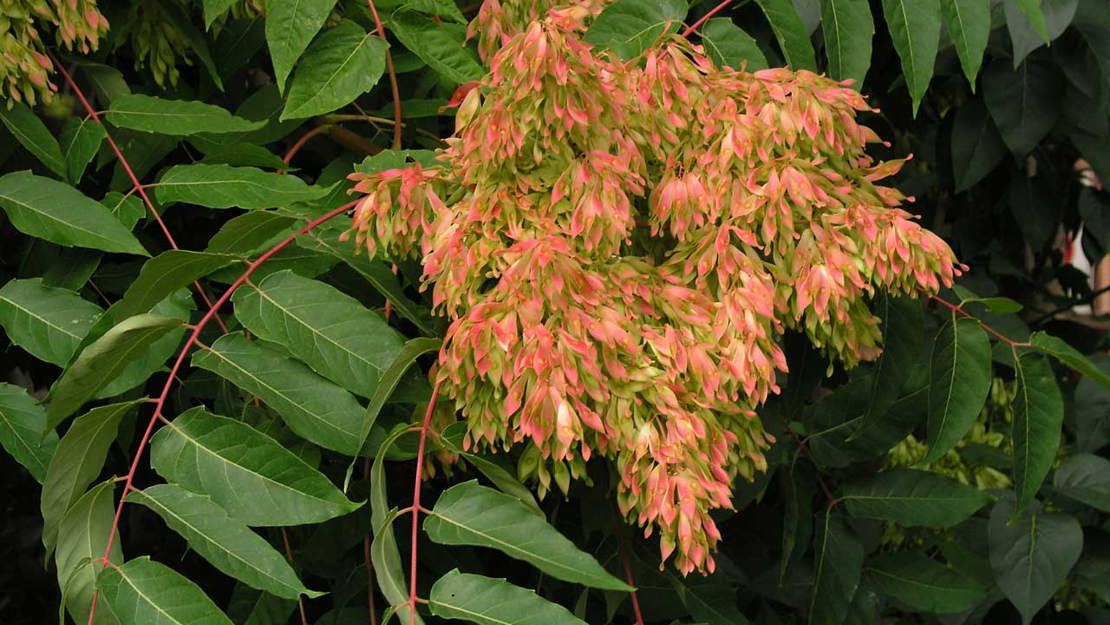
{"x": 213, "y": 9}
{"x": 903, "y": 323}
{"x": 912, "y": 498}
{"x": 49, "y": 323}
{"x": 495, "y": 472}
{"x": 729, "y": 46}
{"x": 1056, "y": 15}
{"x": 29, "y": 130}
{"x": 244, "y": 234}
{"x": 226, "y": 543}
{"x": 848, "y": 28}
{"x": 440, "y": 8}
{"x": 1085, "y": 478}
{"x": 472, "y": 514}
{"x": 326, "y": 240}
{"x": 290, "y": 26}
{"x": 441, "y": 46}
{"x": 77, "y": 462}
{"x": 1068, "y": 356}
{"x": 1024, "y": 102}
{"x": 628, "y": 27}
{"x": 709, "y": 599}
{"x": 312, "y": 407}
{"x": 179, "y": 305}
{"x": 167, "y": 272}
{"x": 383, "y": 550}
{"x": 959, "y": 378}
{"x": 1031, "y": 554}
{"x": 144, "y": 592}
{"x": 81, "y": 140}
{"x": 322, "y": 326}
{"x": 1032, "y": 11}
{"x": 977, "y": 148}
{"x": 1038, "y": 417}
{"x": 82, "y": 540}
{"x": 925, "y": 585}
{"x": 252, "y": 607}
{"x": 175, "y": 118}
{"x": 246, "y": 472}
{"x": 488, "y": 601}
{"x": 54, "y": 211}
{"x": 915, "y": 29}
{"x": 224, "y": 186}
{"x": 128, "y": 209}
{"x": 791, "y": 33}
{"x": 23, "y": 430}
{"x": 342, "y": 64}
{"x": 969, "y": 25}
{"x": 837, "y": 565}
{"x": 103, "y": 360}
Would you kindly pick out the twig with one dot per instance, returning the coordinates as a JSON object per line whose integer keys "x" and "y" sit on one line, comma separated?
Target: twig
{"x": 622, "y": 546}
{"x": 957, "y": 309}
{"x": 416, "y": 500}
{"x": 392, "y": 84}
{"x": 160, "y": 403}
{"x": 705, "y": 18}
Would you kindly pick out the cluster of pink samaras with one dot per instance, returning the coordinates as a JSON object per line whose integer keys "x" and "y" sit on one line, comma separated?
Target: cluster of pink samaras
{"x": 621, "y": 245}
{"x": 24, "y": 66}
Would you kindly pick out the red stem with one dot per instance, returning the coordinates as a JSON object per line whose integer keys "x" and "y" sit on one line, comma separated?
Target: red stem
{"x": 959, "y": 310}
{"x": 705, "y": 18}
{"x": 626, "y": 560}
{"x": 392, "y": 78}
{"x": 138, "y": 186}
{"x": 416, "y": 500}
{"x": 305, "y": 138}
{"x": 160, "y": 403}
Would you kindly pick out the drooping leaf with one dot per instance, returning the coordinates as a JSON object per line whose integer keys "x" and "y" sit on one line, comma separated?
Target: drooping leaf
{"x": 442, "y": 46}
{"x": 176, "y": 118}
{"x": 80, "y": 141}
{"x": 837, "y": 565}
{"x": 322, "y": 326}
{"x": 213, "y": 9}
{"x": 495, "y": 471}
{"x": 383, "y": 550}
{"x": 1033, "y": 12}
{"x": 243, "y": 234}
{"x": 54, "y": 211}
{"x": 915, "y": 29}
{"x": 165, "y": 273}
{"x": 977, "y": 148}
{"x": 1057, "y": 15}
{"x": 224, "y": 186}
{"x": 912, "y": 498}
{"x": 439, "y": 8}
{"x": 82, "y": 540}
{"x": 628, "y": 27}
{"x": 1031, "y": 554}
{"x": 902, "y": 324}
{"x": 969, "y": 25}
{"x": 848, "y": 28}
{"x": 23, "y": 432}
{"x": 1024, "y": 102}
{"x": 1038, "y": 417}
{"x": 254, "y": 607}
{"x": 923, "y": 584}
{"x": 1068, "y": 356}
{"x": 152, "y": 359}
{"x": 791, "y": 33}
{"x": 1085, "y": 478}
{"x": 227, "y": 543}
{"x": 311, "y": 406}
{"x": 373, "y": 271}
{"x": 29, "y": 130}
{"x": 709, "y": 600}
{"x": 246, "y": 472}
{"x": 487, "y": 601}
{"x": 77, "y": 461}
{"x": 472, "y": 514}
{"x": 959, "y": 378}
{"x": 104, "y": 359}
{"x": 290, "y": 26}
{"x": 49, "y": 323}
{"x": 144, "y": 592}
{"x": 342, "y": 64}
{"x": 729, "y": 46}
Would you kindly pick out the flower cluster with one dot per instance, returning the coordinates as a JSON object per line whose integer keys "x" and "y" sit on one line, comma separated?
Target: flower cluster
{"x": 621, "y": 245}
{"x": 24, "y": 67}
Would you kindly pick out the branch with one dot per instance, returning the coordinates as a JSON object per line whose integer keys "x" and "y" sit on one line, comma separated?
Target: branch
{"x": 160, "y": 402}
{"x": 392, "y": 78}
{"x": 416, "y": 500}
{"x": 958, "y": 309}
{"x": 705, "y": 18}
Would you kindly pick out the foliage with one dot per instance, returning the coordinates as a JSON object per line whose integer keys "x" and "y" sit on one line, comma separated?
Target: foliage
{"x": 611, "y": 264}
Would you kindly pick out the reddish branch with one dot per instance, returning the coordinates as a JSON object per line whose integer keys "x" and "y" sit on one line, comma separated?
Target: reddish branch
{"x": 138, "y": 186}
{"x": 415, "y": 510}
{"x": 160, "y": 402}
{"x": 705, "y": 18}
{"x": 958, "y": 309}
{"x": 392, "y": 78}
